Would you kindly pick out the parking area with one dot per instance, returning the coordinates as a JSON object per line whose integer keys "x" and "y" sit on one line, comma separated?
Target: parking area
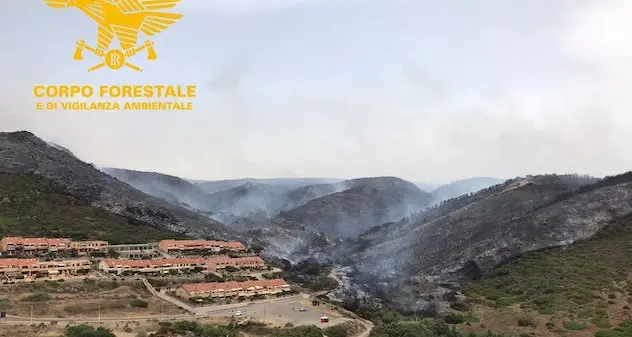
{"x": 287, "y": 310}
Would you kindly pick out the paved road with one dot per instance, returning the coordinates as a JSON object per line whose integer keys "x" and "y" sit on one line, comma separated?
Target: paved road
{"x": 168, "y": 298}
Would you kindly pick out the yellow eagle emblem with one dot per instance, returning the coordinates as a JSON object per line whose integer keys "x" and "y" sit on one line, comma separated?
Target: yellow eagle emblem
{"x": 123, "y": 19}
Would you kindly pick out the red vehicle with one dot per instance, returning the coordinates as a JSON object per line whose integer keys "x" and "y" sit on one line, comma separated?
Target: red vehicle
{"x": 324, "y": 319}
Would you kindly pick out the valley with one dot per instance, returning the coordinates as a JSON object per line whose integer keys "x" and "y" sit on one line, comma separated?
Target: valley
{"x": 541, "y": 255}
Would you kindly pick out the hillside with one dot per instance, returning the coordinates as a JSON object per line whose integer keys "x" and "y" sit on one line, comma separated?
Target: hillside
{"x": 167, "y": 187}
{"x": 243, "y": 204}
{"x": 586, "y": 286}
{"x": 253, "y": 203}
{"x": 365, "y": 203}
{"x": 461, "y": 187}
{"x": 22, "y": 152}
{"x": 250, "y": 199}
{"x": 465, "y": 238}
{"x": 33, "y": 206}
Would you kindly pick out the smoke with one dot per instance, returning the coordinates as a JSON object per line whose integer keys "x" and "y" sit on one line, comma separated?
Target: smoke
{"x": 538, "y": 89}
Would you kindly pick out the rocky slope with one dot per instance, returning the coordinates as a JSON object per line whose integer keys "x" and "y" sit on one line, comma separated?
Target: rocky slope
{"x": 467, "y": 237}
{"x": 23, "y": 152}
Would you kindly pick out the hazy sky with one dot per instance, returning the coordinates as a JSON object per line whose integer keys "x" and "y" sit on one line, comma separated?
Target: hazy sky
{"x": 429, "y": 91}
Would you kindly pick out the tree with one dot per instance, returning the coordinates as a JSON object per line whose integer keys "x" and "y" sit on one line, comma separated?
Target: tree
{"x": 85, "y": 330}
{"x": 301, "y": 331}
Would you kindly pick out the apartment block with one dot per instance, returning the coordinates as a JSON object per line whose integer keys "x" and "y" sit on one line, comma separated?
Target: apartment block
{"x": 222, "y": 262}
{"x": 12, "y": 245}
{"x": 230, "y": 289}
{"x": 137, "y": 251}
{"x": 207, "y": 245}
{"x": 151, "y": 266}
{"x": 87, "y": 247}
{"x": 32, "y": 267}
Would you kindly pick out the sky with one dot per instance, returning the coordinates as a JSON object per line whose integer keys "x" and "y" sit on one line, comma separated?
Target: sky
{"x": 429, "y": 91}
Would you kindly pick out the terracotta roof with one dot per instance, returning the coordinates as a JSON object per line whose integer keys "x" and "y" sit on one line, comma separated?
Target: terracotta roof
{"x": 113, "y": 263}
{"x": 18, "y": 262}
{"x": 232, "y": 285}
{"x": 203, "y": 243}
{"x": 12, "y": 239}
{"x": 235, "y": 260}
{"x": 58, "y": 241}
{"x": 219, "y": 259}
{"x": 35, "y": 241}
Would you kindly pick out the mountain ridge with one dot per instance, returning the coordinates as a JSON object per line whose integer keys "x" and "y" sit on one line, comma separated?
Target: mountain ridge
{"x": 23, "y": 152}
{"x": 464, "y": 242}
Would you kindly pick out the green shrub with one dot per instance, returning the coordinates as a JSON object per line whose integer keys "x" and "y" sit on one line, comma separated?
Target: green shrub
{"x": 41, "y": 297}
{"x": 601, "y": 322}
{"x": 570, "y": 325}
{"x": 335, "y": 331}
{"x": 460, "y": 306}
{"x": 138, "y": 303}
{"x": 454, "y": 319}
{"x": 504, "y": 301}
{"x": 525, "y": 321}
{"x": 85, "y": 330}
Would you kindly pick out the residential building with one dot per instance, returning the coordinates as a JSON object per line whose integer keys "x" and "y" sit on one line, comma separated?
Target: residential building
{"x": 200, "y": 245}
{"x": 65, "y": 267}
{"x": 230, "y": 289}
{"x": 222, "y": 262}
{"x": 32, "y": 267}
{"x": 87, "y": 247}
{"x": 137, "y": 251}
{"x": 119, "y": 266}
{"x": 12, "y": 245}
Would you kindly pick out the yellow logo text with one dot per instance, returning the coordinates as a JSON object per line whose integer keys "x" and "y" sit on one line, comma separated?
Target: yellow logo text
{"x": 97, "y": 98}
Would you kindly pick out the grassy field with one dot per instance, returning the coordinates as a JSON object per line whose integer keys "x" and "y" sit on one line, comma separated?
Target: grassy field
{"x": 82, "y": 299}
{"x": 582, "y": 288}
{"x": 32, "y": 206}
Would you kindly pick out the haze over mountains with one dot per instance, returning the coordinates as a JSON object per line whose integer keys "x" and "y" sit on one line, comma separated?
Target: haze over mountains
{"x": 387, "y": 232}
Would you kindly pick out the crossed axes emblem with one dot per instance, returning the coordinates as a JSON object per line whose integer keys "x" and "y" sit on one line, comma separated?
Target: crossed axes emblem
{"x": 115, "y": 58}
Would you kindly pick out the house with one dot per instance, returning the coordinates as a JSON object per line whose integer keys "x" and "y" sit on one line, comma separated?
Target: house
{"x": 230, "y": 289}
{"x": 222, "y": 262}
{"x": 200, "y": 245}
{"x": 12, "y": 245}
{"x": 87, "y": 247}
{"x": 31, "y": 267}
{"x": 163, "y": 266}
{"x": 65, "y": 267}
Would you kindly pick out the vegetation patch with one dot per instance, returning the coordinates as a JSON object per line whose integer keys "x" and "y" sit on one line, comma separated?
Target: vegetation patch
{"x": 41, "y": 297}
{"x": 563, "y": 280}
{"x": 36, "y": 207}
{"x": 601, "y": 322}
{"x": 138, "y": 303}
{"x": 85, "y": 330}
{"x": 623, "y": 330}
{"x": 526, "y": 321}
{"x": 571, "y": 325}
